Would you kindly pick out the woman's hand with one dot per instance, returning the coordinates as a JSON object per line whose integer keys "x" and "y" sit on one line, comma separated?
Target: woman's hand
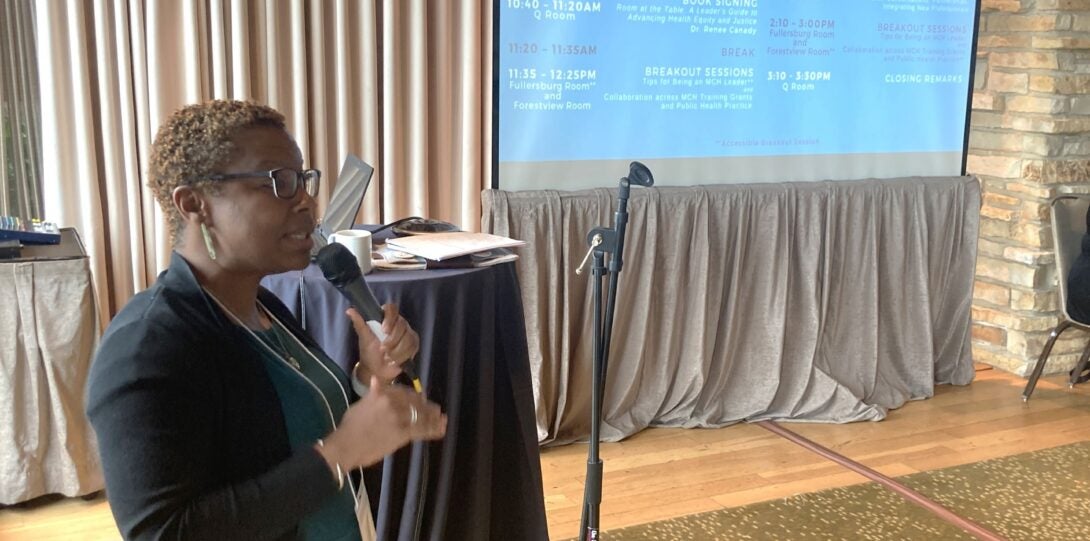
{"x": 389, "y": 417}
{"x": 384, "y": 359}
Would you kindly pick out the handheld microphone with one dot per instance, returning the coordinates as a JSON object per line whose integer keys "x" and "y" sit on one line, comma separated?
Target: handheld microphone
{"x": 341, "y": 269}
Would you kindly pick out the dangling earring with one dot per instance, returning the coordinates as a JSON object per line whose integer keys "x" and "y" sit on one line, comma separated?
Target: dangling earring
{"x": 208, "y": 242}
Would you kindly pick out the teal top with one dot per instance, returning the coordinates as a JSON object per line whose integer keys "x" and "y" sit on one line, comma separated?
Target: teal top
{"x": 313, "y": 397}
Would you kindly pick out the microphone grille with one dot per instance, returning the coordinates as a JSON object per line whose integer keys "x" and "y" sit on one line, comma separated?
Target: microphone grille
{"x": 639, "y": 174}
{"x": 338, "y": 264}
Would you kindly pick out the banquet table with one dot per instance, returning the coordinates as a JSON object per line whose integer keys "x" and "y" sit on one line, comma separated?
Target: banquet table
{"x": 483, "y": 480}
{"x": 48, "y": 333}
{"x": 831, "y": 301}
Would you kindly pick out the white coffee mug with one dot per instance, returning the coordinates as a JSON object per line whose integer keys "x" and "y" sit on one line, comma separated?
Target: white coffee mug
{"x": 358, "y": 242}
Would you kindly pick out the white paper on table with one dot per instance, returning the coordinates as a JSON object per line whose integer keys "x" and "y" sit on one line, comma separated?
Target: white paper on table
{"x": 440, "y": 246}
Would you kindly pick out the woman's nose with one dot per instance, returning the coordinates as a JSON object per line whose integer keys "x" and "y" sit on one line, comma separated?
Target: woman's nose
{"x": 305, "y": 202}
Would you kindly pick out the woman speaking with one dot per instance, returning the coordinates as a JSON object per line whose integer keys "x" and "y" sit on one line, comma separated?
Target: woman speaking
{"x": 217, "y": 416}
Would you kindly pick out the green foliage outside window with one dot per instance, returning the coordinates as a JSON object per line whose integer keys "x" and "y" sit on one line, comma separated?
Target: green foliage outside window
{"x": 20, "y": 116}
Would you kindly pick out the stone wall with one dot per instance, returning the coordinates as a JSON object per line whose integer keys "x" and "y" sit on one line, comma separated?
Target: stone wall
{"x": 1028, "y": 142}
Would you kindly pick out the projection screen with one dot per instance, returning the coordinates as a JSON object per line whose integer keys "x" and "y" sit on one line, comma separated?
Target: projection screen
{"x": 729, "y": 91}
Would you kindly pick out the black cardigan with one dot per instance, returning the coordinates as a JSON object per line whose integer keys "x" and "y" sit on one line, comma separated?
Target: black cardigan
{"x": 192, "y": 439}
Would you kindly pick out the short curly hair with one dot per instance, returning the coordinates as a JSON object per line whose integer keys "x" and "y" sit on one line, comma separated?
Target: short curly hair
{"x": 196, "y": 140}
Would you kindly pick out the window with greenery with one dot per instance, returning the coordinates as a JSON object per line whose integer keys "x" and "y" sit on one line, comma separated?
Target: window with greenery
{"x": 20, "y": 113}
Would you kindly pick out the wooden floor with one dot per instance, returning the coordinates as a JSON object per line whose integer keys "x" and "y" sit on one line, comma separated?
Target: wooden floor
{"x": 662, "y": 473}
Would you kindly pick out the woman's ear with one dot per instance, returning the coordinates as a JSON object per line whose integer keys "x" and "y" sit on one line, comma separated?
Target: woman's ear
{"x": 189, "y": 203}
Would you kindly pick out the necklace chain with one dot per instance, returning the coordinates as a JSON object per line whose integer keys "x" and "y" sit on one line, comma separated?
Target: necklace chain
{"x": 279, "y": 346}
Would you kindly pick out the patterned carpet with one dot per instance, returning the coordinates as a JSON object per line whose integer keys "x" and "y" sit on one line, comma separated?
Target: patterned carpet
{"x": 1038, "y": 495}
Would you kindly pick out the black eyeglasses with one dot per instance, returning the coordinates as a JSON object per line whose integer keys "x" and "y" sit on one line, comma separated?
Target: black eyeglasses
{"x": 285, "y": 180}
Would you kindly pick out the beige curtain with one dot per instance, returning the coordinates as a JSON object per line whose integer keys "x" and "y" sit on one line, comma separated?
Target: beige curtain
{"x": 810, "y": 301}
{"x": 400, "y": 83}
{"x": 20, "y": 132}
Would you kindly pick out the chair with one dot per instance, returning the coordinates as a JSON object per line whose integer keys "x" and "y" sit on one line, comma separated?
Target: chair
{"x": 1068, "y": 228}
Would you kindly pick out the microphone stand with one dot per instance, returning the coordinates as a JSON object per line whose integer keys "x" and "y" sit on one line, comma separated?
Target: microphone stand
{"x": 604, "y": 240}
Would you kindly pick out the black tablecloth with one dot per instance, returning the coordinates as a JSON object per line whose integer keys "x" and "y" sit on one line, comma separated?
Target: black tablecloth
{"x": 484, "y": 477}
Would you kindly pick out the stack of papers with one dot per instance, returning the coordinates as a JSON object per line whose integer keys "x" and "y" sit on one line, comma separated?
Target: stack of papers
{"x": 387, "y": 258}
{"x": 384, "y": 257}
{"x": 441, "y": 246}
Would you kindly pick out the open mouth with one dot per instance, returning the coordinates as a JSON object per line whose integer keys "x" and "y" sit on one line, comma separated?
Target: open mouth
{"x": 301, "y": 240}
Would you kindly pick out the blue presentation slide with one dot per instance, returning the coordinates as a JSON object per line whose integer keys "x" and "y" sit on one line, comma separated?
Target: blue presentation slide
{"x": 593, "y": 80}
